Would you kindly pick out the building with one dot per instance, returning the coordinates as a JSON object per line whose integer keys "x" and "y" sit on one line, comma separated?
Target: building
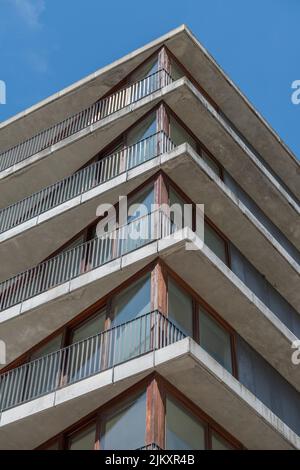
{"x": 123, "y": 342}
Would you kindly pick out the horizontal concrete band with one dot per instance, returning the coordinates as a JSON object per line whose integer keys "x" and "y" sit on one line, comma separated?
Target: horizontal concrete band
{"x": 187, "y": 366}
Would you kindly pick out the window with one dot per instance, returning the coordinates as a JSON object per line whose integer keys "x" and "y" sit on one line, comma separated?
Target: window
{"x": 180, "y": 308}
{"x": 183, "y": 430}
{"x": 133, "y": 337}
{"x": 83, "y": 440}
{"x": 215, "y": 242}
{"x": 84, "y": 358}
{"x": 137, "y": 232}
{"x": 144, "y": 129}
{"x": 211, "y": 162}
{"x": 215, "y": 339}
{"x": 144, "y": 198}
{"x": 145, "y": 134}
{"x": 125, "y": 428}
{"x": 146, "y": 69}
{"x": 176, "y": 70}
{"x": 179, "y": 135}
{"x": 176, "y": 204}
{"x": 51, "y": 346}
{"x": 218, "y": 443}
{"x": 132, "y": 302}
{"x": 91, "y": 327}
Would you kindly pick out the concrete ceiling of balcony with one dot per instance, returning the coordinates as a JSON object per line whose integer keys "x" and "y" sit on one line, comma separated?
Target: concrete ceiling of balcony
{"x": 201, "y": 269}
{"x": 202, "y": 67}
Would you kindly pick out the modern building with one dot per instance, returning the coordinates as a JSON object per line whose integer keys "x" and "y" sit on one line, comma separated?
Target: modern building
{"x": 118, "y": 341}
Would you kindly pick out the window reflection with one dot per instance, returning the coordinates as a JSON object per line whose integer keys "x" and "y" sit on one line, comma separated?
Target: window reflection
{"x": 215, "y": 339}
{"x": 215, "y": 242}
{"x": 84, "y": 358}
{"x": 183, "y": 430}
{"x": 180, "y": 308}
{"x": 83, "y": 440}
{"x": 134, "y": 337}
{"x": 218, "y": 443}
{"x": 125, "y": 428}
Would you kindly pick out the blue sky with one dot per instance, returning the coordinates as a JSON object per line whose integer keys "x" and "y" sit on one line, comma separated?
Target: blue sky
{"x": 46, "y": 45}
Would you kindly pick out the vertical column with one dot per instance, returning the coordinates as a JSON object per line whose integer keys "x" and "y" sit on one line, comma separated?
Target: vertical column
{"x": 155, "y": 413}
{"x": 159, "y": 294}
{"x": 161, "y": 222}
{"x": 163, "y": 128}
{"x": 164, "y": 65}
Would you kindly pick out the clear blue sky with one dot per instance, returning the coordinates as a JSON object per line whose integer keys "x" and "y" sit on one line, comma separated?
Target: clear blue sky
{"x": 46, "y": 45}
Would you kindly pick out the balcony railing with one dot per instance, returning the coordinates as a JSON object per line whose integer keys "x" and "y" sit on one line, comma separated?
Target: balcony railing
{"x": 84, "y": 180}
{"x": 109, "y": 348}
{"x": 151, "y": 446}
{"x": 94, "y": 113}
{"x": 83, "y": 258}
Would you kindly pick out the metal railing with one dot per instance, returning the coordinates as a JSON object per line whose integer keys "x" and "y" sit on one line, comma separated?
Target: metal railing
{"x": 152, "y": 446}
{"x": 80, "y": 360}
{"x": 84, "y": 180}
{"x": 94, "y": 113}
{"x": 85, "y": 257}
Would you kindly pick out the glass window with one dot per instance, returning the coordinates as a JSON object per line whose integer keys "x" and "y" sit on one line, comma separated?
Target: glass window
{"x": 137, "y": 232}
{"x": 176, "y": 70}
{"x": 83, "y": 440}
{"x": 84, "y": 358}
{"x": 210, "y": 162}
{"x": 91, "y": 327}
{"x": 146, "y": 199}
{"x": 179, "y": 135}
{"x": 74, "y": 243}
{"x": 180, "y": 308}
{"x": 176, "y": 204}
{"x": 215, "y": 242}
{"x": 146, "y": 69}
{"x": 51, "y": 346}
{"x": 183, "y": 430}
{"x": 215, "y": 339}
{"x": 125, "y": 428}
{"x": 132, "y": 302}
{"x": 145, "y": 134}
{"x": 218, "y": 443}
{"x": 133, "y": 338}
{"x": 141, "y": 131}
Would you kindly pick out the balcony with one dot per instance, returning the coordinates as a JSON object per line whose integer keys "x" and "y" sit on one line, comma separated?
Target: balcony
{"x": 91, "y": 176}
{"x": 68, "y": 384}
{"x": 77, "y": 139}
{"x": 98, "y": 111}
{"x": 84, "y": 258}
{"x": 86, "y": 358}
